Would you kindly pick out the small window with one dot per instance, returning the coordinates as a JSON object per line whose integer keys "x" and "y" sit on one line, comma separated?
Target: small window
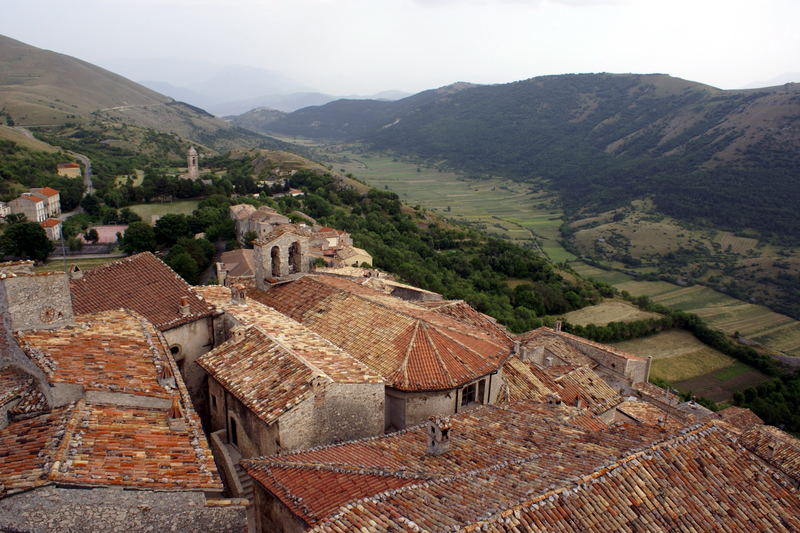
{"x": 482, "y": 391}
{"x": 468, "y": 394}
{"x": 175, "y": 349}
{"x": 213, "y": 402}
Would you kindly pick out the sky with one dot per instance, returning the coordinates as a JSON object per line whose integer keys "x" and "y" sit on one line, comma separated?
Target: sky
{"x": 366, "y": 46}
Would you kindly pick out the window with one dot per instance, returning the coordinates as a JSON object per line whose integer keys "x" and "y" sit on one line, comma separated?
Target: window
{"x": 482, "y": 391}
{"x": 175, "y": 349}
{"x": 468, "y": 394}
{"x": 213, "y": 402}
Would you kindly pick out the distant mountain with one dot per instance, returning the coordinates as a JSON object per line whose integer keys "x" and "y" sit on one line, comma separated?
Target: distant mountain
{"x": 789, "y": 77}
{"x": 43, "y": 88}
{"x": 728, "y": 158}
{"x": 257, "y": 119}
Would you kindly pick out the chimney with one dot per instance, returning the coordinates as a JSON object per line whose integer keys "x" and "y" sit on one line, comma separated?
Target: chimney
{"x": 175, "y": 418}
{"x": 557, "y": 326}
{"x": 516, "y": 347}
{"x": 75, "y": 272}
{"x": 548, "y": 361}
{"x": 166, "y": 378}
{"x": 553, "y": 399}
{"x": 438, "y": 435}
{"x": 239, "y": 294}
{"x": 184, "y": 306}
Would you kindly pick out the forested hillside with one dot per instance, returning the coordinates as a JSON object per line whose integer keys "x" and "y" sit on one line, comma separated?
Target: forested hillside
{"x": 722, "y": 157}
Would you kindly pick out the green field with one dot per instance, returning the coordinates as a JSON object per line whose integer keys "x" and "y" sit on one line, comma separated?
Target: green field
{"x": 518, "y": 211}
{"x": 755, "y": 322}
{"x": 147, "y": 211}
{"x": 608, "y": 311}
{"x": 691, "y": 366}
{"x": 57, "y": 264}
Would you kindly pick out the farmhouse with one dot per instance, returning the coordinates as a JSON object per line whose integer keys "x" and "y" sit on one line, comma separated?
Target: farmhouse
{"x": 69, "y": 170}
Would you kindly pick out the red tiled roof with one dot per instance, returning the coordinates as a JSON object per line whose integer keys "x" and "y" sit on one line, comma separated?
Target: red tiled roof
{"x": 142, "y": 283}
{"x": 69, "y": 165}
{"x": 50, "y": 223}
{"x": 239, "y": 262}
{"x": 650, "y": 415}
{"x": 776, "y": 447}
{"x": 32, "y": 198}
{"x": 463, "y": 312}
{"x": 13, "y": 383}
{"x": 266, "y": 377}
{"x": 542, "y": 334}
{"x": 46, "y": 191}
{"x": 537, "y": 447}
{"x": 739, "y": 417}
{"x": 28, "y": 448}
{"x": 303, "y": 343}
{"x": 411, "y": 347}
{"x": 513, "y": 471}
{"x": 112, "y": 351}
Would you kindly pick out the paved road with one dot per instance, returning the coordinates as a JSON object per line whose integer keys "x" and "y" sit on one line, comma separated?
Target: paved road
{"x": 88, "y": 188}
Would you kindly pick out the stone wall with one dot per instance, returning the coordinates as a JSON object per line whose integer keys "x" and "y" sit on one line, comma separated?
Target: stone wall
{"x": 337, "y": 412}
{"x": 272, "y": 516}
{"x": 192, "y": 340}
{"x": 253, "y": 436}
{"x": 54, "y": 509}
{"x": 37, "y": 301}
{"x": 263, "y": 255}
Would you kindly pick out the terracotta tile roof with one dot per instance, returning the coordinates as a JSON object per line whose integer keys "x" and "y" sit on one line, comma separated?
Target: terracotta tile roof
{"x": 135, "y": 447}
{"x": 582, "y": 382}
{"x": 525, "y": 381}
{"x": 13, "y": 384}
{"x": 112, "y": 351}
{"x": 483, "y": 441}
{"x": 31, "y": 198}
{"x": 300, "y": 341}
{"x": 776, "y": 447}
{"x": 741, "y": 418}
{"x": 266, "y": 377}
{"x": 647, "y": 390}
{"x": 463, "y": 312}
{"x": 50, "y": 223}
{"x": 142, "y": 283}
{"x": 28, "y": 449}
{"x": 411, "y": 347}
{"x": 545, "y": 334}
{"x": 125, "y": 434}
{"x": 68, "y": 165}
{"x": 649, "y": 415}
{"x": 513, "y": 471}
{"x": 239, "y": 262}
{"x": 46, "y": 191}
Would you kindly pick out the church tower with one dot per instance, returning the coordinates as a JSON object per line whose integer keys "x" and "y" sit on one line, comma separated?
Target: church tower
{"x": 191, "y": 162}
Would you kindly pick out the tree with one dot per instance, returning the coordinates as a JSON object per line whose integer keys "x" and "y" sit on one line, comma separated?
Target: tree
{"x": 91, "y": 204}
{"x": 139, "y": 237}
{"x": 26, "y": 239}
{"x": 171, "y": 227}
{"x": 92, "y": 236}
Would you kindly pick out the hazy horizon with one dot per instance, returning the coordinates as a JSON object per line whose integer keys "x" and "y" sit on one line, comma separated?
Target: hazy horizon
{"x": 361, "y": 47}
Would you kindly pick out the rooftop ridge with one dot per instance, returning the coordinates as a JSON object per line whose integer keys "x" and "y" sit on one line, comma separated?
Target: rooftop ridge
{"x": 379, "y": 301}
{"x": 316, "y": 370}
{"x": 604, "y": 347}
{"x": 438, "y": 355}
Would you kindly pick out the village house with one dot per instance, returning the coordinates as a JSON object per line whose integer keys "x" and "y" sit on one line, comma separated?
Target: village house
{"x": 432, "y": 363}
{"x": 535, "y": 467}
{"x": 275, "y": 385}
{"x": 236, "y": 267}
{"x": 52, "y": 198}
{"x": 5, "y": 210}
{"x": 259, "y": 222}
{"x": 52, "y": 228}
{"x": 69, "y": 170}
{"x": 143, "y": 283}
{"x": 91, "y": 404}
{"x": 32, "y": 206}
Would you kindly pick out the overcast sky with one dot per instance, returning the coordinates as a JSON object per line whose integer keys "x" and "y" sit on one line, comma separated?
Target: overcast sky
{"x": 365, "y": 46}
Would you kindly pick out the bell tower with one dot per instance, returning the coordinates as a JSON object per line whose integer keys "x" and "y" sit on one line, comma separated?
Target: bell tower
{"x": 191, "y": 162}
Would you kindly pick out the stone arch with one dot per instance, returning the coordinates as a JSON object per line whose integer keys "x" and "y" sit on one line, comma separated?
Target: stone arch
{"x": 295, "y": 258}
{"x": 275, "y": 260}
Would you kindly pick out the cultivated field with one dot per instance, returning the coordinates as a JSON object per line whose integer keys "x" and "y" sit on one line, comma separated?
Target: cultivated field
{"x": 518, "y": 211}
{"x": 755, "y": 322}
{"x": 147, "y": 211}
{"x": 608, "y": 311}
{"x": 56, "y": 264}
{"x": 691, "y": 366}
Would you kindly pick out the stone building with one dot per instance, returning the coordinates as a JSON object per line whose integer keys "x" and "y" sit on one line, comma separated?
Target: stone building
{"x": 547, "y": 347}
{"x": 535, "y": 467}
{"x": 432, "y": 363}
{"x": 52, "y": 228}
{"x": 52, "y": 198}
{"x": 69, "y": 170}
{"x": 282, "y": 253}
{"x": 91, "y": 404}
{"x": 192, "y": 164}
{"x": 237, "y": 267}
{"x": 143, "y": 283}
{"x": 33, "y": 207}
{"x": 250, "y": 220}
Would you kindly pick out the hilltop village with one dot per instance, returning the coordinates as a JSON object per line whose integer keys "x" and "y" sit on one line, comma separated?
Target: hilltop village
{"x": 304, "y": 393}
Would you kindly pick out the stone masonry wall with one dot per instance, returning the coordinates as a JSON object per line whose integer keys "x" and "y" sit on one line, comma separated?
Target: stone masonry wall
{"x": 37, "y": 301}
{"x": 54, "y": 509}
{"x": 337, "y": 412}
